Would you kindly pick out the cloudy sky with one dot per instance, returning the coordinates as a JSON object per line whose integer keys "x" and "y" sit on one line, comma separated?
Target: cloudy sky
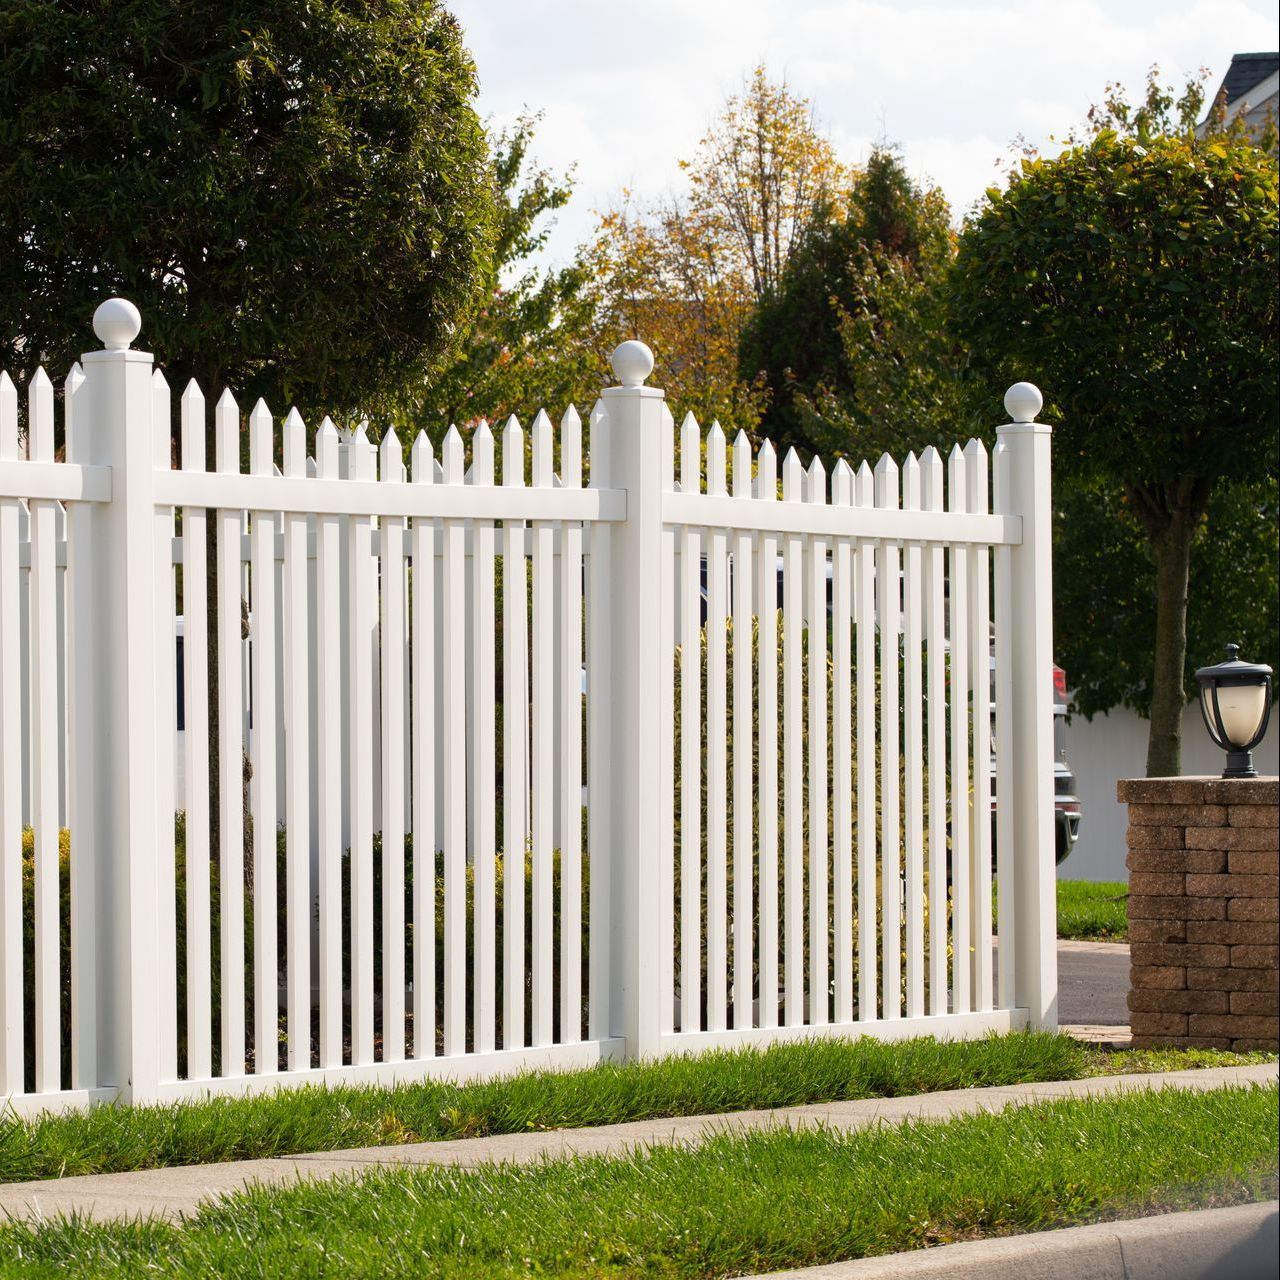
{"x": 628, "y": 89}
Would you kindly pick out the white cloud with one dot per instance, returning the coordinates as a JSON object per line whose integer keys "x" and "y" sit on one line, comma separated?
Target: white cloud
{"x": 627, "y": 90}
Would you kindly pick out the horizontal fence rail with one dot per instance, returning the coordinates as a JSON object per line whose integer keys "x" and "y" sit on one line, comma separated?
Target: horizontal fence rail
{"x": 329, "y": 759}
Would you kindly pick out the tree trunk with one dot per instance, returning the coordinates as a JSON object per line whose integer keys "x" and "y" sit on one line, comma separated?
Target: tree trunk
{"x": 1171, "y": 551}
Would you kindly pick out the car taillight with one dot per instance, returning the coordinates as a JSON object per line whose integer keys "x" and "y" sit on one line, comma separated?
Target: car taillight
{"x": 1059, "y": 684}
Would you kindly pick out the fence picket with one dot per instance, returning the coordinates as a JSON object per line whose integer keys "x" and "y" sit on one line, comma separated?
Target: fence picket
{"x": 570, "y": 752}
{"x": 864, "y": 611}
{"x": 767, "y": 774}
{"x": 913, "y": 752}
{"x": 818, "y": 852}
{"x": 979, "y": 590}
{"x": 542, "y": 751}
{"x": 454, "y": 745}
{"x": 195, "y": 667}
{"x": 425, "y": 800}
{"x": 329, "y": 755}
{"x": 841, "y": 755}
{"x": 262, "y": 739}
{"x": 391, "y": 534}
{"x": 515, "y": 744}
{"x": 690, "y": 739}
{"x": 297, "y": 761}
{"x": 231, "y": 826}
{"x": 961, "y": 871}
{"x": 743, "y": 754}
{"x": 717, "y": 735}
{"x": 361, "y": 619}
{"x": 483, "y": 783}
{"x": 792, "y": 754}
{"x": 934, "y": 588}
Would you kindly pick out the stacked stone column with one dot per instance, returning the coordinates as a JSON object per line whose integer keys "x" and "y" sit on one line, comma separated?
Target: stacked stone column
{"x": 1204, "y": 902}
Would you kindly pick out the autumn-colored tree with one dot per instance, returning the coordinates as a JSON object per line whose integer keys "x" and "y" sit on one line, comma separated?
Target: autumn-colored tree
{"x": 685, "y": 273}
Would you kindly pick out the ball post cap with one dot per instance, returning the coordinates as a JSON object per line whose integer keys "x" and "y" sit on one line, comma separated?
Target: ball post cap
{"x": 632, "y": 363}
{"x": 1023, "y": 401}
{"x": 117, "y": 322}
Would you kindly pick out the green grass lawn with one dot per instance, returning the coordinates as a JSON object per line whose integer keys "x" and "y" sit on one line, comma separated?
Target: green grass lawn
{"x": 734, "y": 1206}
{"x": 1093, "y": 910}
{"x": 112, "y": 1139}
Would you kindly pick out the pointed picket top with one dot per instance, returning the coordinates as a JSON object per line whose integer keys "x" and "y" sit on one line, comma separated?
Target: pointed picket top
{"x": 8, "y": 418}
{"x": 975, "y": 458}
{"x": 40, "y": 417}
{"x": 741, "y": 465}
{"x": 864, "y": 486}
{"x": 261, "y": 444}
{"x": 226, "y": 433}
{"x": 931, "y": 473}
{"x": 312, "y": 472}
{"x": 716, "y": 459}
{"x": 391, "y": 458}
{"x": 513, "y": 453}
{"x": 482, "y": 454}
{"x": 767, "y": 472}
{"x": 161, "y": 422}
{"x": 571, "y": 449}
{"x": 841, "y": 484}
{"x": 327, "y": 464}
{"x": 540, "y": 433}
{"x": 191, "y": 412}
{"x": 420, "y": 459}
{"x": 792, "y": 477}
{"x": 817, "y": 477}
{"x": 957, "y": 480}
{"x": 690, "y": 455}
{"x": 294, "y": 444}
{"x": 73, "y": 427}
{"x": 451, "y": 456}
{"x": 911, "y": 483}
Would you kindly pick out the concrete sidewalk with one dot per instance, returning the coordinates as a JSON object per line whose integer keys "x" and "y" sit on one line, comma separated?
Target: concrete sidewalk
{"x": 172, "y": 1193}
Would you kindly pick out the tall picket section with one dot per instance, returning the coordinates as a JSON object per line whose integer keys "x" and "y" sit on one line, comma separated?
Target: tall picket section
{"x": 325, "y": 759}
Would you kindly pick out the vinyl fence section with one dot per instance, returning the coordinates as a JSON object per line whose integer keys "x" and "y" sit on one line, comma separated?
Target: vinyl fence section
{"x": 577, "y": 741}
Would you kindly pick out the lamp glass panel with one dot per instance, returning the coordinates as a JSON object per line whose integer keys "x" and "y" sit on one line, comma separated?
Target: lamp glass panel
{"x": 1242, "y": 707}
{"x": 1206, "y": 709}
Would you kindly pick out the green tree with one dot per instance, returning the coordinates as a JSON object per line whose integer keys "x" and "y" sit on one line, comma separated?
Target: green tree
{"x": 532, "y": 343}
{"x": 295, "y": 192}
{"x": 1134, "y": 276}
{"x": 852, "y": 345}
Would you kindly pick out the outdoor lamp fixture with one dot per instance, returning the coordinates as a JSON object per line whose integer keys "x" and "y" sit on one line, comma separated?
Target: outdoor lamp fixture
{"x": 1235, "y": 700}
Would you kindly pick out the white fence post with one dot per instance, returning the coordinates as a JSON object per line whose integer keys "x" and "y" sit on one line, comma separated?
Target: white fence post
{"x": 116, "y": 401}
{"x": 633, "y": 421}
{"x": 1026, "y": 601}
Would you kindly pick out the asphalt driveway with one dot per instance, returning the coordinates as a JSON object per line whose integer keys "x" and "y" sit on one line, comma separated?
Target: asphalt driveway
{"x": 1093, "y": 983}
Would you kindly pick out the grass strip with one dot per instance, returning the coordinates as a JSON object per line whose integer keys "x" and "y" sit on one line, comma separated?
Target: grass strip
{"x": 736, "y": 1205}
{"x": 1089, "y": 910}
{"x": 119, "y": 1138}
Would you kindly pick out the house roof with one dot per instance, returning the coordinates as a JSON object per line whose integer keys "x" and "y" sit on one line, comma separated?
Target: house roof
{"x": 1246, "y": 71}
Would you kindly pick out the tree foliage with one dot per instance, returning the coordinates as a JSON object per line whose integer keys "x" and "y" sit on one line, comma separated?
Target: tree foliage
{"x": 532, "y": 343}
{"x": 1134, "y": 275}
{"x": 852, "y": 345}
{"x": 294, "y": 192}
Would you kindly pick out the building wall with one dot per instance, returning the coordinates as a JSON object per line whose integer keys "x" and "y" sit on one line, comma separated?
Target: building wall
{"x": 1114, "y": 746}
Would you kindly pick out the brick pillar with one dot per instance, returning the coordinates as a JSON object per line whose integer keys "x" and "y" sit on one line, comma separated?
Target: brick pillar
{"x": 1204, "y": 888}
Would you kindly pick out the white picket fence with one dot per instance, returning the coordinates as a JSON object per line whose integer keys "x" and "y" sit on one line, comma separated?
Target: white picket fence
{"x": 684, "y": 762}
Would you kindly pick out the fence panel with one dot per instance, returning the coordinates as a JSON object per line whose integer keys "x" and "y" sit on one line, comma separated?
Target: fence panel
{"x": 395, "y": 692}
